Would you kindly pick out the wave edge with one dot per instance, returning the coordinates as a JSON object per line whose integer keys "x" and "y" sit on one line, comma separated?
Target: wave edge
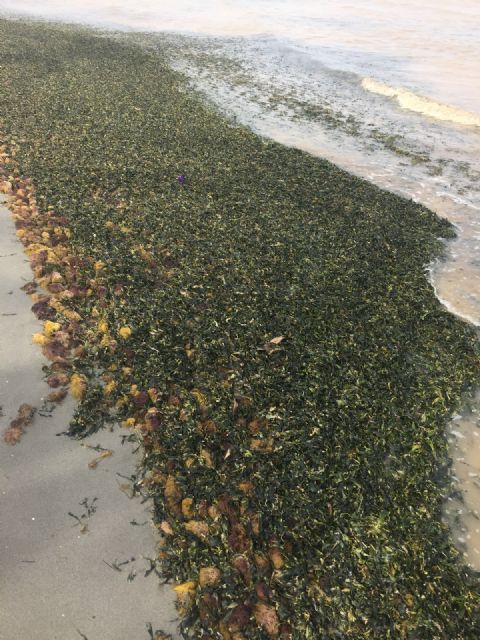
{"x": 420, "y": 104}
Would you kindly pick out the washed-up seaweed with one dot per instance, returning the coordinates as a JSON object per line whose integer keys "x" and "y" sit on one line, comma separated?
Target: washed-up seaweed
{"x": 16, "y": 429}
{"x": 262, "y": 323}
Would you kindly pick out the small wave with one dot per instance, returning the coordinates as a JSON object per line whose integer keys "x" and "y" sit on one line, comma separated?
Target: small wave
{"x": 408, "y": 100}
{"x": 430, "y": 271}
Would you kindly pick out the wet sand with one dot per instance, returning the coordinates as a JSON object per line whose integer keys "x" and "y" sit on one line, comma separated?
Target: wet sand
{"x": 462, "y": 510}
{"x": 56, "y": 580}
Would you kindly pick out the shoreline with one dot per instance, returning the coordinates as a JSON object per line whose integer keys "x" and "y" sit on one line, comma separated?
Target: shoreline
{"x": 192, "y": 248}
{"x": 400, "y": 161}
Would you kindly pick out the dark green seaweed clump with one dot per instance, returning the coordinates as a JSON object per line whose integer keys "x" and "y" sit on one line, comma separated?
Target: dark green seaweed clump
{"x": 293, "y": 368}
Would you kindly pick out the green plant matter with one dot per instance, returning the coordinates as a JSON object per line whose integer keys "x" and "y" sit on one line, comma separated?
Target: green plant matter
{"x": 262, "y": 322}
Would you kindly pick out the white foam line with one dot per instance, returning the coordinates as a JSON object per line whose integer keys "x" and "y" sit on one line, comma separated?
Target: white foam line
{"x": 420, "y": 104}
{"x": 448, "y": 305}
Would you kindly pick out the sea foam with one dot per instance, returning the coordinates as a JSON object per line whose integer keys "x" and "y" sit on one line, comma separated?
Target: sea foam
{"x": 409, "y": 100}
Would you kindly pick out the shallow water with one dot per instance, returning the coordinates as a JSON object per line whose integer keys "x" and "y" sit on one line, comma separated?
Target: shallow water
{"x": 389, "y": 91}
{"x": 431, "y": 47}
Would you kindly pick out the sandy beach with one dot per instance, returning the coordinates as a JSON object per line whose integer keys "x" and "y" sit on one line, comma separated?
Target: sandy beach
{"x": 72, "y": 559}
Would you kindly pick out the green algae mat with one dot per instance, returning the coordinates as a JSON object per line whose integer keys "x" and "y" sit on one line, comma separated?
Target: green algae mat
{"x": 261, "y": 323}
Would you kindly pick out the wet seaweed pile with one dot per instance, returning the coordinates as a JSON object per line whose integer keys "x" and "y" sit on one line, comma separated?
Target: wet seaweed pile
{"x": 262, "y": 323}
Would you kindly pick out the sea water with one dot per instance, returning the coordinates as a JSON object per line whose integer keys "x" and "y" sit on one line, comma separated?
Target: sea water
{"x": 387, "y": 90}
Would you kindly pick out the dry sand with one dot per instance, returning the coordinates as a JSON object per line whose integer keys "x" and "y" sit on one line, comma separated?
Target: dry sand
{"x": 54, "y": 580}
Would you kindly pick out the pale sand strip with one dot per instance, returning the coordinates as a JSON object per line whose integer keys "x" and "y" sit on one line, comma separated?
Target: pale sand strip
{"x": 54, "y": 582}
